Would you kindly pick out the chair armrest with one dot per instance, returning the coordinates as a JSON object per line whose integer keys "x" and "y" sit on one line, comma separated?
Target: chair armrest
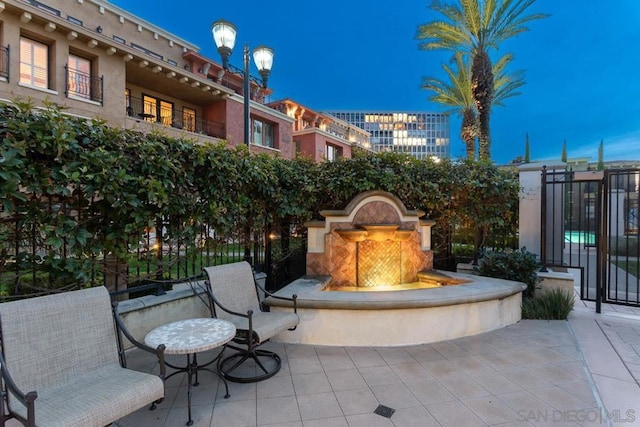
{"x": 293, "y": 299}
{"x": 27, "y": 399}
{"x": 122, "y": 329}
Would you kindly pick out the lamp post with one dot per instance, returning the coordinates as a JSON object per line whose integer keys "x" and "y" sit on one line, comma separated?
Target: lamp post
{"x": 224, "y": 35}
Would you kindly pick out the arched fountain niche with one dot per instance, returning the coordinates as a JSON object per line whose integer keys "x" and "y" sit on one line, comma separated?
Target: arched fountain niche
{"x": 376, "y": 244}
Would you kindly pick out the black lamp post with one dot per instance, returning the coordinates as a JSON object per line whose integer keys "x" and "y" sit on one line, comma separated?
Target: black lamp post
{"x": 224, "y": 35}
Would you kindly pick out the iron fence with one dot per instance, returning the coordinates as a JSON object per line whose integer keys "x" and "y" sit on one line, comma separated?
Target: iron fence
{"x": 80, "y": 84}
{"x": 168, "y": 116}
{"x": 33, "y": 263}
{"x": 589, "y": 225}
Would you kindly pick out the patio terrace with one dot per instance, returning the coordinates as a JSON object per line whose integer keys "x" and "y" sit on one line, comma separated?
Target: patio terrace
{"x": 536, "y": 372}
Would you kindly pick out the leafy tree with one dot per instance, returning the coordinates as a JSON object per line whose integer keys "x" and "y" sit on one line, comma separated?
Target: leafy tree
{"x": 476, "y": 26}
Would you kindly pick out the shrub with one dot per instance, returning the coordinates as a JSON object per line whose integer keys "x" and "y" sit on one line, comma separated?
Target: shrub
{"x": 519, "y": 265}
{"x": 555, "y": 304}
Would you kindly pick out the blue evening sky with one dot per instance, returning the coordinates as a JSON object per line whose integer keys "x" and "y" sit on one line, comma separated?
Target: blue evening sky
{"x": 582, "y": 65}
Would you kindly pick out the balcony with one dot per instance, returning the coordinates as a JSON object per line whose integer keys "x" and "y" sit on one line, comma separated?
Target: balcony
{"x": 83, "y": 85}
{"x": 167, "y": 116}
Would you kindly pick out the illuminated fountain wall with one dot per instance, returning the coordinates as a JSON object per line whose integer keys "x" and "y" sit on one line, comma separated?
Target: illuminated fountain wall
{"x": 375, "y": 241}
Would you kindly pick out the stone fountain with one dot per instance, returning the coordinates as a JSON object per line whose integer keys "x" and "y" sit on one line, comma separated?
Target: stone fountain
{"x": 376, "y": 244}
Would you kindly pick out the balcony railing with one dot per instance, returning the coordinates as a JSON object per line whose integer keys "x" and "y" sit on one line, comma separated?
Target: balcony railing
{"x": 151, "y": 112}
{"x": 83, "y": 85}
{"x": 4, "y": 62}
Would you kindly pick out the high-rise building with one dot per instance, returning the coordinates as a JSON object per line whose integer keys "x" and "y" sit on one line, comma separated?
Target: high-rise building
{"x": 419, "y": 134}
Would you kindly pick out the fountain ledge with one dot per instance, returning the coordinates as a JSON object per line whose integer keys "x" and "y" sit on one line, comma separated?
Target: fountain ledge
{"x": 398, "y": 318}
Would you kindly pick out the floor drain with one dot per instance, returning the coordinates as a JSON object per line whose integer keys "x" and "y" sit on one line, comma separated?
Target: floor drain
{"x": 384, "y": 411}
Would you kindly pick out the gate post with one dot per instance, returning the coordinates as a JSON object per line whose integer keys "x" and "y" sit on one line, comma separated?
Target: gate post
{"x": 531, "y": 205}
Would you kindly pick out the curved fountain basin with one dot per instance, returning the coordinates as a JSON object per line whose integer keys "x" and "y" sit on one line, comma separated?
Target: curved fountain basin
{"x": 398, "y": 318}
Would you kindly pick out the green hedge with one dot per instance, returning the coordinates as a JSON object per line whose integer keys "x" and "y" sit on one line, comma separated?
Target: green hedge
{"x": 81, "y": 189}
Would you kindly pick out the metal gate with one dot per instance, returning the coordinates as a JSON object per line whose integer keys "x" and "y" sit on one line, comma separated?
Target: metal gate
{"x": 589, "y": 226}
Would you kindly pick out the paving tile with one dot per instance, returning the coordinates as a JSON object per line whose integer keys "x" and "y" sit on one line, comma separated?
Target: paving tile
{"x": 346, "y": 380}
{"x": 424, "y": 353}
{"x": 359, "y": 401}
{"x": 336, "y": 362}
{"x": 140, "y": 418}
{"x": 200, "y": 414}
{"x": 415, "y": 416}
{"x": 368, "y": 420}
{"x": 396, "y": 396}
{"x": 305, "y": 365}
{"x": 491, "y": 410}
{"x": 275, "y": 387}
{"x": 561, "y": 374}
{"x": 454, "y": 414}
{"x": 327, "y": 422}
{"x": 560, "y": 399}
{"x": 525, "y": 404}
{"x": 289, "y": 424}
{"x": 277, "y": 410}
{"x": 411, "y": 372}
{"x": 310, "y": 383}
{"x": 440, "y": 368}
{"x": 394, "y": 355}
{"x": 449, "y": 349}
{"x": 379, "y": 375}
{"x": 494, "y": 382}
{"x": 233, "y": 413}
{"x": 430, "y": 392}
{"x": 320, "y": 405}
{"x": 463, "y": 386}
{"x": 526, "y": 378}
{"x": 237, "y": 391}
{"x": 365, "y": 357}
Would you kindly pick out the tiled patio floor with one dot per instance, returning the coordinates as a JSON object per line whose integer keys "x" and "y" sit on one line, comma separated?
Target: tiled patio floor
{"x": 528, "y": 374}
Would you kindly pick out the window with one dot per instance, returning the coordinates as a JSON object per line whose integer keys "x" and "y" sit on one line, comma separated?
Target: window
{"x": 34, "y": 63}
{"x": 79, "y": 77}
{"x": 263, "y": 134}
{"x": 157, "y": 110}
{"x": 189, "y": 119}
{"x": 332, "y": 153}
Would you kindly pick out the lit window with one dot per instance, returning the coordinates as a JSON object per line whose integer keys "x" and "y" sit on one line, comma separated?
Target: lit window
{"x": 189, "y": 119}
{"x": 34, "y": 63}
{"x": 79, "y": 77}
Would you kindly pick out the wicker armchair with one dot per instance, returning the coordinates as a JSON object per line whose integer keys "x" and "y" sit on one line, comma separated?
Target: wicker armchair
{"x": 234, "y": 296}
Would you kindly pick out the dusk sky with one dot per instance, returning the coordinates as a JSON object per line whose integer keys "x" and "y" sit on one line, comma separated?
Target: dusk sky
{"x": 582, "y": 65}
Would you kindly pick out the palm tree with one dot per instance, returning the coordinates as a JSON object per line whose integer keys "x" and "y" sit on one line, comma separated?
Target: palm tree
{"x": 476, "y": 26}
{"x": 457, "y": 92}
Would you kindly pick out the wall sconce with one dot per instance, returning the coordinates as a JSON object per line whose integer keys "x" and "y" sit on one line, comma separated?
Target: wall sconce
{"x": 99, "y": 29}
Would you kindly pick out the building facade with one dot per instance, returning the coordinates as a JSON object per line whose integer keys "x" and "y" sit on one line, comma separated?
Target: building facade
{"x": 420, "y": 134}
{"x": 100, "y": 61}
{"x": 322, "y": 137}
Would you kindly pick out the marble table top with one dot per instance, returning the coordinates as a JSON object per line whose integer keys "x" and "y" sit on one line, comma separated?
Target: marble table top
{"x": 191, "y": 335}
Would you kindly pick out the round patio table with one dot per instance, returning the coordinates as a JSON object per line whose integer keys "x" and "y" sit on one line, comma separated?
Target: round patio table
{"x": 192, "y": 336}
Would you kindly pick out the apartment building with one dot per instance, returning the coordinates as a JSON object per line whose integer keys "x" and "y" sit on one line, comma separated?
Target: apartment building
{"x": 322, "y": 137}
{"x": 420, "y": 134}
{"x": 100, "y": 61}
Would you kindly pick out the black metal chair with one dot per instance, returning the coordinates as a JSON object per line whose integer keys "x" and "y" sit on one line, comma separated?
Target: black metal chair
{"x": 233, "y": 295}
